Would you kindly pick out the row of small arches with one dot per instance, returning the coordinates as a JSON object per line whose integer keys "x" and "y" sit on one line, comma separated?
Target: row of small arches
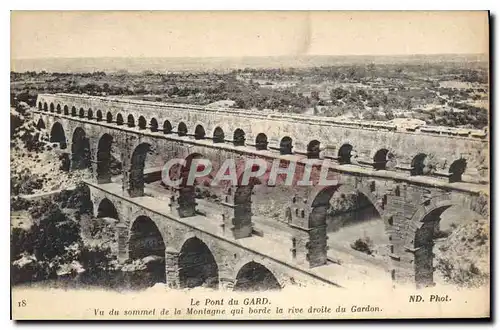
{"x": 196, "y": 261}
{"x": 261, "y": 141}
{"x": 344, "y": 155}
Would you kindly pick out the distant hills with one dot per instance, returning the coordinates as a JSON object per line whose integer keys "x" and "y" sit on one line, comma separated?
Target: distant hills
{"x": 178, "y": 64}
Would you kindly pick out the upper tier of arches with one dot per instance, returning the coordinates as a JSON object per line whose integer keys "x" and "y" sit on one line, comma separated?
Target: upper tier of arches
{"x": 382, "y": 157}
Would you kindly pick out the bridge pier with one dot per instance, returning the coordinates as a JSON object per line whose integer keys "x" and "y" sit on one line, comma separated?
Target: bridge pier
{"x": 309, "y": 241}
{"x": 226, "y": 278}
{"x": 122, "y": 238}
{"x": 237, "y": 212}
{"x": 172, "y": 268}
{"x": 101, "y": 175}
{"x": 184, "y": 201}
{"x": 65, "y": 158}
{"x": 226, "y": 283}
{"x": 81, "y": 152}
{"x": 133, "y": 182}
{"x": 102, "y": 179}
{"x": 412, "y": 242}
{"x": 417, "y": 268}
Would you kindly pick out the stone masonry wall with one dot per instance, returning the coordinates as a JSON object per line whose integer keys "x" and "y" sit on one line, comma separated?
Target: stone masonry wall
{"x": 366, "y": 138}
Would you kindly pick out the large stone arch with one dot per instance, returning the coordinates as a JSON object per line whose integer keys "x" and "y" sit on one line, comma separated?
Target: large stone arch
{"x": 421, "y": 233}
{"x": 145, "y": 227}
{"x": 190, "y": 156}
{"x": 237, "y": 207}
{"x": 197, "y": 265}
{"x": 147, "y": 242}
{"x": 374, "y": 200}
{"x": 80, "y": 149}
{"x": 254, "y": 276}
{"x": 357, "y": 221}
{"x": 184, "y": 199}
{"x": 106, "y": 209}
{"x": 40, "y": 124}
{"x": 104, "y": 158}
{"x": 58, "y": 135}
{"x": 310, "y": 212}
{"x": 177, "y": 240}
{"x": 135, "y": 186}
{"x": 317, "y": 194}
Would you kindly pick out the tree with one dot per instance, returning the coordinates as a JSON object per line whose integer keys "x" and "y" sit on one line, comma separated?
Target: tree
{"x": 95, "y": 259}
{"x": 371, "y": 69}
{"x": 315, "y": 95}
{"x": 240, "y": 103}
{"x": 407, "y": 103}
{"x": 53, "y": 234}
{"x": 338, "y": 93}
{"x": 389, "y": 115}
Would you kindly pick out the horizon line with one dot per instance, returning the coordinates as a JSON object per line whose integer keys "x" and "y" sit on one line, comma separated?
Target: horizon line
{"x": 256, "y": 56}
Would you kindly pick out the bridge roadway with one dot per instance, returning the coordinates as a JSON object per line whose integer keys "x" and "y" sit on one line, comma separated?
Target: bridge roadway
{"x": 272, "y": 249}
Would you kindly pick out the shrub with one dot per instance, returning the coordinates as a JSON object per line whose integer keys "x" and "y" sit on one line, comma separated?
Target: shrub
{"x": 461, "y": 275}
{"x": 363, "y": 245}
{"x": 18, "y": 203}
{"x": 32, "y": 271}
{"x": 53, "y": 234}
{"x": 95, "y": 259}
{"x": 40, "y": 207}
{"x": 19, "y": 242}
{"x": 78, "y": 199}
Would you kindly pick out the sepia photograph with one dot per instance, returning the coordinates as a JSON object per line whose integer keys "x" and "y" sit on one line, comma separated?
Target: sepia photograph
{"x": 240, "y": 165}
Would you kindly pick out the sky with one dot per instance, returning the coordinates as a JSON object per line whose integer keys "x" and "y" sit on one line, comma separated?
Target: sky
{"x": 70, "y": 34}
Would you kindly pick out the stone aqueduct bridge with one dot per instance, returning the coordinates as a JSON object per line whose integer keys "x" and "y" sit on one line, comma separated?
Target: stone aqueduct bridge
{"x": 409, "y": 177}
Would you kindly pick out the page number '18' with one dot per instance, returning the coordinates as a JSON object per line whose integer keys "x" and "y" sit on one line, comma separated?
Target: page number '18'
{"x": 22, "y": 303}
